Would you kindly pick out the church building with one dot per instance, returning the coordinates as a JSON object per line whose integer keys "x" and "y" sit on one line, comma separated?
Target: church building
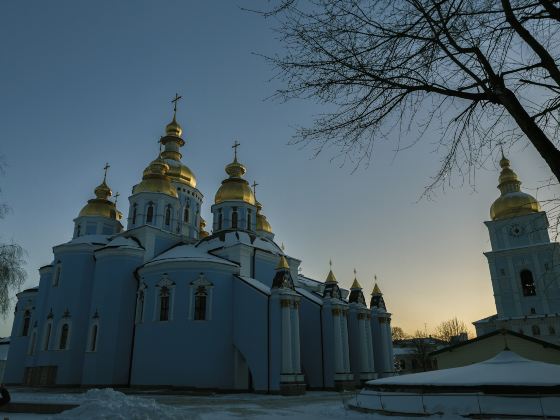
{"x": 524, "y": 264}
{"x": 166, "y": 303}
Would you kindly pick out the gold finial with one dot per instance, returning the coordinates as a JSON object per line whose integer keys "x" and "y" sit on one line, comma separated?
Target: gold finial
{"x": 330, "y": 277}
{"x": 174, "y": 102}
{"x": 107, "y": 166}
{"x": 236, "y": 144}
{"x": 355, "y": 284}
{"x": 283, "y": 263}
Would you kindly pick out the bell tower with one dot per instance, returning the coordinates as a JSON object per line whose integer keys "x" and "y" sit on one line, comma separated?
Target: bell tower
{"x": 524, "y": 263}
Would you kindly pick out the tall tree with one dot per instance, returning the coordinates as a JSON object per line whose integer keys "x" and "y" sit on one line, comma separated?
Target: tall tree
{"x": 484, "y": 71}
{"x": 450, "y": 328}
{"x": 12, "y": 273}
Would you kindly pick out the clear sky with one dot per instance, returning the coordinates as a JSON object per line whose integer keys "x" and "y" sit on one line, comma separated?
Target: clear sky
{"x": 83, "y": 83}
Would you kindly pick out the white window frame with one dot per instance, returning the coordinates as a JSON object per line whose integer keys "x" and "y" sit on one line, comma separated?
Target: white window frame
{"x": 95, "y": 323}
{"x": 201, "y": 281}
{"x": 164, "y": 282}
{"x": 62, "y": 322}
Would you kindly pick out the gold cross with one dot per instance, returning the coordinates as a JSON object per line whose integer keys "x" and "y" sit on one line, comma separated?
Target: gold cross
{"x": 236, "y": 144}
{"x": 255, "y": 188}
{"x": 116, "y": 198}
{"x": 174, "y": 102}
{"x": 107, "y": 166}
{"x": 355, "y": 273}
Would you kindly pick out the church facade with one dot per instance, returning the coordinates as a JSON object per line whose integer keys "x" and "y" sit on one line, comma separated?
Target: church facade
{"x": 165, "y": 303}
{"x": 524, "y": 264}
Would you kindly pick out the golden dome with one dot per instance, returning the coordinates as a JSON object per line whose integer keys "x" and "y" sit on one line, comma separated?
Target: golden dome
{"x": 376, "y": 290}
{"x": 235, "y": 188}
{"x": 155, "y": 179}
{"x": 101, "y": 206}
{"x": 512, "y": 201}
{"x": 180, "y": 173}
{"x": 173, "y": 129}
{"x": 262, "y": 223}
{"x": 201, "y": 232}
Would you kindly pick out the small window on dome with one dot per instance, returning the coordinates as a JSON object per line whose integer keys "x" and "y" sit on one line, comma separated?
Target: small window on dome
{"x": 249, "y": 214}
{"x": 220, "y": 219}
{"x": 134, "y": 211}
{"x": 536, "y": 330}
{"x": 234, "y": 215}
{"x": 150, "y": 214}
{"x": 168, "y": 215}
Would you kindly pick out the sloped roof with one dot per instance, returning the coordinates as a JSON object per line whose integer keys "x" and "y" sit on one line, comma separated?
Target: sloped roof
{"x": 505, "y": 369}
{"x": 185, "y": 253}
{"x": 493, "y": 333}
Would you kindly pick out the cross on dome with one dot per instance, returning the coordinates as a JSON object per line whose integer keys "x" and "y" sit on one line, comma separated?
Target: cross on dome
{"x": 236, "y": 144}
{"x": 107, "y": 166}
{"x": 174, "y": 102}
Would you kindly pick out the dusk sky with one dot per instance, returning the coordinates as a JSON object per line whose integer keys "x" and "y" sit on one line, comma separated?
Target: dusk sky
{"x": 84, "y": 83}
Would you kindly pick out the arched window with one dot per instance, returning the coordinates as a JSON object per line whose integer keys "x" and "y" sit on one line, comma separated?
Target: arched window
{"x": 56, "y": 276}
{"x": 186, "y": 215}
{"x": 164, "y": 304}
{"x": 234, "y": 218}
{"x": 414, "y": 364}
{"x": 134, "y": 212}
{"x": 536, "y": 330}
{"x": 527, "y": 283}
{"x": 47, "y": 336}
{"x": 26, "y": 322}
{"x": 551, "y": 330}
{"x": 220, "y": 219}
{"x": 168, "y": 215}
{"x": 78, "y": 230}
{"x": 249, "y": 214}
{"x": 150, "y": 213}
{"x": 200, "y": 303}
{"x": 200, "y": 307}
{"x": 64, "y": 337}
{"x": 93, "y": 338}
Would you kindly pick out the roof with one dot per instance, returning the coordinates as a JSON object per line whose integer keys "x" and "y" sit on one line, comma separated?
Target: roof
{"x": 233, "y": 237}
{"x": 506, "y": 369}
{"x": 188, "y": 253}
{"x": 493, "y": 333}
{"x": 256, "y": 284}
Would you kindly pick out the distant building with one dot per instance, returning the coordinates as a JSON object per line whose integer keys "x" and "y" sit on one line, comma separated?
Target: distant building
{"x": 524, "y": 265}
{"x": 489, "y": 345}
{"x": 165, "y": 303}
{"x": 412, "y": 355}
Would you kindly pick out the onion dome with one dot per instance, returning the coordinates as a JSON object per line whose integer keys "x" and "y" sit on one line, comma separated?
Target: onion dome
{"x": 262, "y": 223}
{"x": 512, "y": 201}
{"x": 101, "y": 206}
{"x": 202, "y": 232}
{"x": 172, "y": 142}
{"x": 155, "y": 179}
{"x": 356, "y": 295}
{"x": 235, "y": 188}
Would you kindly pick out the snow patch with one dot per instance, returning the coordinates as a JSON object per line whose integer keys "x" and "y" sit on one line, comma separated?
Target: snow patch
{"x": 105, "y": 404}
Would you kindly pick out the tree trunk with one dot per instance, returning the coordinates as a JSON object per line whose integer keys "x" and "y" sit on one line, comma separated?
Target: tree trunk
{"x": 536, "y": 136}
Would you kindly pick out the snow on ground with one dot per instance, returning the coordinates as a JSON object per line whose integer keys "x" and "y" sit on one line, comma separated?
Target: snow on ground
{"x": 104, "y": 404}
